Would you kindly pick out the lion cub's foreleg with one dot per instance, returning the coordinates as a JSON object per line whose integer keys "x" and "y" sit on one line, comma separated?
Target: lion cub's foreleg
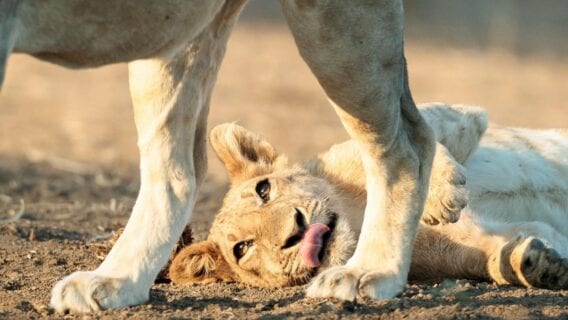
{"x": 534, "y": 256}
{"x": 530, "y": 254}
{"x": 458, "y": 130}
{"x": 447, "y": 194}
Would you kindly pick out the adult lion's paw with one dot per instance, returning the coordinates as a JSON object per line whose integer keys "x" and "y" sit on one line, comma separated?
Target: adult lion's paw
{"x": 380, "y": 286}
{"x": 337, "y": 282}
{"x": 347, "y": 283}
{"x": 83, "y": 292}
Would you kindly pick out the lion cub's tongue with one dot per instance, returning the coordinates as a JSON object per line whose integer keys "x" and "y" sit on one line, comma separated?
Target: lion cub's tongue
{"x": 312, "y": 243}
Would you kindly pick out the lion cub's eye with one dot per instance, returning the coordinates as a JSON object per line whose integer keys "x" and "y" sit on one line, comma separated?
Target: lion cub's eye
{"x": 263, "y": 190}
{"x": 241, "y": 248}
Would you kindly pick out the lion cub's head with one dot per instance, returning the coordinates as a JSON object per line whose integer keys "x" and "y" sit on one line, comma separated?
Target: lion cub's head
{"x": 278, "y": 225}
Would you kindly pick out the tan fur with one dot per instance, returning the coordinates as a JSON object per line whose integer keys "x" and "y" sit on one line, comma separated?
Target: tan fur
{"x": 476, "y": 247}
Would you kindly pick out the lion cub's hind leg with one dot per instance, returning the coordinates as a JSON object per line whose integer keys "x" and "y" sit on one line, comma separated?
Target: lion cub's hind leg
{"x": 531, "y": 261}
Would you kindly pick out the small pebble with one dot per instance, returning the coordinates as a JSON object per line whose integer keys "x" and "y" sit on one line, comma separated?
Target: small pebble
{"x": 14, "y": 275}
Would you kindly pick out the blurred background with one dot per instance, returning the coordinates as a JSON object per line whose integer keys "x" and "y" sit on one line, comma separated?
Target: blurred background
{"x": 509, "y": 56}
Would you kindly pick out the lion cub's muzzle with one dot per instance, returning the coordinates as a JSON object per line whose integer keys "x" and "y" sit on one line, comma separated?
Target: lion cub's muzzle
{"x": 315, "y": 240}
{"x": 298, "y": 232}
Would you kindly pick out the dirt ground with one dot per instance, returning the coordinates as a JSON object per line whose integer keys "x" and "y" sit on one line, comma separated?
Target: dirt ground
{"x": 67, "y": 149}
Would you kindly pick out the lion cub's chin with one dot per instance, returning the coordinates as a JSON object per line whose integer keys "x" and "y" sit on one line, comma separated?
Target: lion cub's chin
{"x": 339, "y": 247}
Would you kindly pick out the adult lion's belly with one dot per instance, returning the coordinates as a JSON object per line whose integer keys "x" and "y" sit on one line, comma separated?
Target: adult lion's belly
{"x": 86, "y": 33}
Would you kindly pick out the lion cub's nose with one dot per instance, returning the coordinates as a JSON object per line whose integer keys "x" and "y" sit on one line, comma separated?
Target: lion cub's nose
{"x": 299, "y": 229}
{"x": 300, "y": 220}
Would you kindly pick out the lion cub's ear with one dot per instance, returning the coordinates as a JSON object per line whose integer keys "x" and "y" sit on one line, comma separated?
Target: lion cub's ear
{"x": 200, "y": 263}
{"x": 244, "y": 153}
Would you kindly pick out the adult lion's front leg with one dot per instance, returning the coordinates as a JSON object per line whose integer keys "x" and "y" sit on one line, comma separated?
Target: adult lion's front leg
{"x": 355, "y": 49}
{"x": 171, "y": 100}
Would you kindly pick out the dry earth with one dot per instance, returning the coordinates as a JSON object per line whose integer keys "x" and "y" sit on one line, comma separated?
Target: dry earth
{"x": 67, "y": 149}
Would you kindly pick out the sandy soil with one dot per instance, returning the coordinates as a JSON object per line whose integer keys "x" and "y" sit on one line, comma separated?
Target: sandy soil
{"x": 68, "y": 150}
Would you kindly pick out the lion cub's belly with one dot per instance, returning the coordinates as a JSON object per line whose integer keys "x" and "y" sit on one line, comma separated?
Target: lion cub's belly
{"x": 520, "y": 175}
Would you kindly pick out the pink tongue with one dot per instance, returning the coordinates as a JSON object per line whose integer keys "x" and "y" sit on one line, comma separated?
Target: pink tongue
{"x": 312, "y": 243}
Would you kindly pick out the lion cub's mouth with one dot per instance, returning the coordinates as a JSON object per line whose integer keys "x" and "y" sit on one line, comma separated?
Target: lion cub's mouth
{"x": 315, "y": 241}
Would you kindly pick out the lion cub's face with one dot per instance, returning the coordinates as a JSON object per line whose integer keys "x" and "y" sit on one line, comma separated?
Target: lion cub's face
{"x": 278, "y": 224}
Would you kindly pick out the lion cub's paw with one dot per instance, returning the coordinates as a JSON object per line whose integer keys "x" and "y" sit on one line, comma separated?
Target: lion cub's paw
{"x": 529, "y": 262}
{"x": 347, "y": 283}
{"x": 83, "y": 292}
{"x": 447, "y": 195}
{"x": 537, "y": 265}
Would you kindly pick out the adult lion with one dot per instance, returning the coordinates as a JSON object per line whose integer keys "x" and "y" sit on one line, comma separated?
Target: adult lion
{"x": 175, "y": 48}
{"x": 281, "y": 224}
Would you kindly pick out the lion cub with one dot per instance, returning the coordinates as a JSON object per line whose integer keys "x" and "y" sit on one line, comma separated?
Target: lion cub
{"x": 283, "y": 223}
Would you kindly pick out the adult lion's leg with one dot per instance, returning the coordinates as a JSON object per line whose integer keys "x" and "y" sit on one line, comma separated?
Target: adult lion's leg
{"x": 355, "y": 49}
{"x": 170, "y": 96}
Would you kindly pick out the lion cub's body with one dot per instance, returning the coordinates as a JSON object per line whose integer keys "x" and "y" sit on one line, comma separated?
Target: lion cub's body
{"x": 514, "y": 229}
